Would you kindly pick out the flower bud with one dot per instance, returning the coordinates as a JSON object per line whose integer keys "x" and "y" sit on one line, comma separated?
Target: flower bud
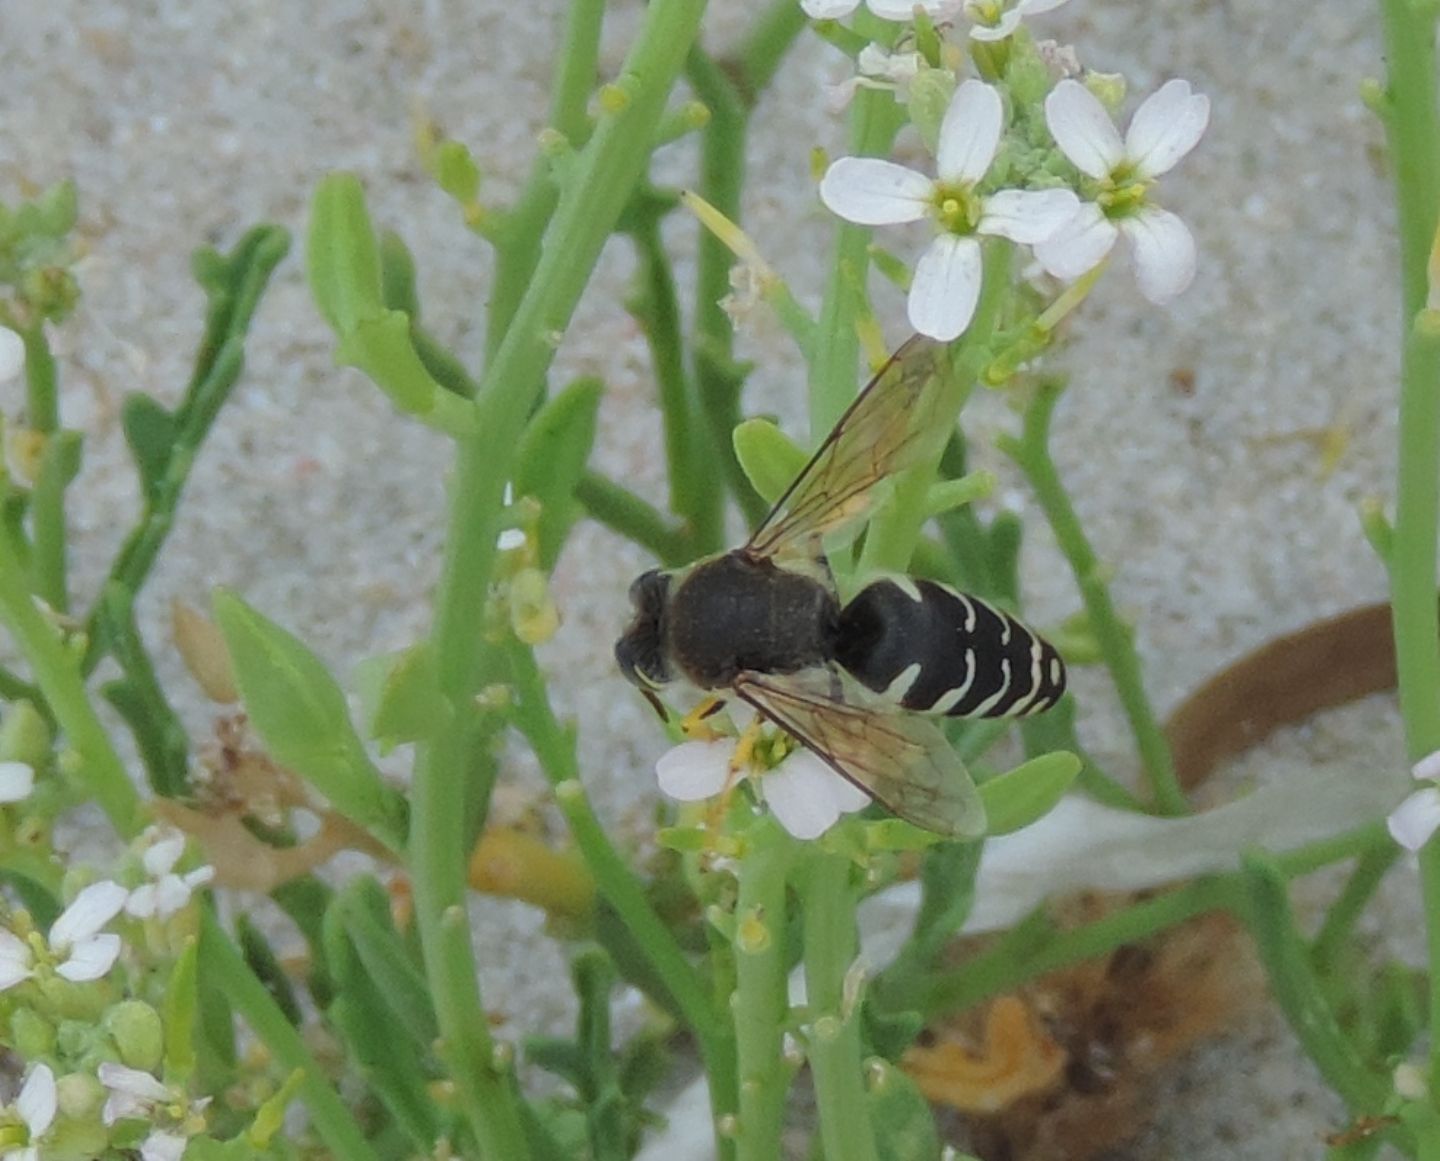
{"x": 138, "y": 1033}
{"x": 24, "y": 735}
{"x": 33, "y": 1035}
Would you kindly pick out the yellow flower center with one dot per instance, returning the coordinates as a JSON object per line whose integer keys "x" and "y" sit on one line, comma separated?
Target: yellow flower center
{"x": 957, "y": 208}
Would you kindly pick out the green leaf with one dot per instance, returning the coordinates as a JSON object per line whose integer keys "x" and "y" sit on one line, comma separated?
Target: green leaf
{"x": 770, "y": 459}
{"x": 181, "y": 1005}
{"x": 397, "y": 276}
{"x": 150, "y": 431}
{"x": 552, "y": 458}
{"x": 343, "y": 255}
{"x": 383, "y": 1049}
{"x": 1018, "y": 798}
{"x": 380, "y": 346}
{"x": 456, "y": 172}
{"x": 300, "y": 711}
{"x": 261, "y": 959}
{"x": 363, "y": 909}
{"x": 904, "y": 1126}
{"x": 400, "y": 693}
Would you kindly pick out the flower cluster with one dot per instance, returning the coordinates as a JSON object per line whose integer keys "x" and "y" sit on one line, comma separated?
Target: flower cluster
{"x": 1069, "y": 200}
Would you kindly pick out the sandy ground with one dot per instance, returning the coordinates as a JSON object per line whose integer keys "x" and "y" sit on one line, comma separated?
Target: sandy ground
{"x": 187, "y": 122}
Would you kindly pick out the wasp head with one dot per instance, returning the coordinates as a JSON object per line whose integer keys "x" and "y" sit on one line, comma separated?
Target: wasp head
{"x": 640, "y": 653}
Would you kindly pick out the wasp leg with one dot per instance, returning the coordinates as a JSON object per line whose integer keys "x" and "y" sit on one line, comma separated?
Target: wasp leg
{"x": 692, "y": 725}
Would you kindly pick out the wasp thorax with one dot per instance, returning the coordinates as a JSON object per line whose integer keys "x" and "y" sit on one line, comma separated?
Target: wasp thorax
{"x": 640, "y": 653}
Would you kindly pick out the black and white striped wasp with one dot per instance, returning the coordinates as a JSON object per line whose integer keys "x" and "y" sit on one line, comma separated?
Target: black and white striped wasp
{"x": 766, "y": 623}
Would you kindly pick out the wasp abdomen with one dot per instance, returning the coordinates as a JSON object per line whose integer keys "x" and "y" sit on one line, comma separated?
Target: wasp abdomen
{"x": 937, "y": 651}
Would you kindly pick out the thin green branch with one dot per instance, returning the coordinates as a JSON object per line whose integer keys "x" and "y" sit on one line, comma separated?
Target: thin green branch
{"x": 760, "y": 1003}
{"x": 598, "y": 185}
{"x": 54, "y": 662}
{"x": 691, "y": 461}
{"x": 718, "y": 376}
{"x": 224, "y": 968}
{"x": 1115, "y": 639}
{"x": 754, "y": 64}
{"x": 834, "y": 1045}
{"x": 1294, "y": 984}
{"x": 1339, "y": 923}
{"x": 623, "y": 512}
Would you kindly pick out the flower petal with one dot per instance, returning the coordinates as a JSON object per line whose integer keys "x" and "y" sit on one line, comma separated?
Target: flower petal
{"x": 164, "y": 852}
{"x": 160, "y": 1146}
{"x": 693, "y": 771}
{"x": 901, "y": 10}
{"x": 945, "y": 288}
{"x": 970, "y": 133}
{"x": 1079, "y": 245}
{"x": 1427, "y": 769}
{"x": 94, "y": 907}
{"x": 14, "y": 960}
{"x": 12, "y": 354}
{"x": 132, "y": 1094}
{"x": 1002, "y": 28}
{"x": 1413, "y": 822}
{"x": 37, "y": 1100}
{"x": 142, "y": 901}
{"x": 801, "y": 797}
{"x": 1166, "y": 127}
{"x": 91, "y": 958}
{"x": 872, "y": 192}
{"x": 1027, "y": 215}
{"x": 828, "y": 9}
{"x": 17, "y": 779}
{"x": 1164, "y": 253}
{"x": 1083, "y": 129}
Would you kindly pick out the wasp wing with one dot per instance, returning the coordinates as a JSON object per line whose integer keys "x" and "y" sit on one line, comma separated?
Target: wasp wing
{"x": 902, "y": 761}
{"x": 890, "y": 426}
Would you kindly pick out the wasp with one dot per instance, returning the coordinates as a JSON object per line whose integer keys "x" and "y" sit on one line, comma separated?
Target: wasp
{"x": 852, "y": 680}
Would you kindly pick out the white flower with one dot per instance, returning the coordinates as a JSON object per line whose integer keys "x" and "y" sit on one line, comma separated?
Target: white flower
{"x": 88, "y": 952}
{"x": 1415, "y": 820}
{"x": 135, "y": 1095}
{"x": 34, "y": 1109}
{"x": 875, "y": 68}
{"x": 12, "y": 354}
{"x": 132, "y": 1094}
{"x": 997, "y": 19}
{"x": 806, "y": 797}
{"x": 84, "y": 952}
{"x": 1164, "y": 129}
{"x": 898, "y": 10}
{"x": 17, "y": 779}
{"x": 168, "y": 892}
{"x": 946, "y": 284}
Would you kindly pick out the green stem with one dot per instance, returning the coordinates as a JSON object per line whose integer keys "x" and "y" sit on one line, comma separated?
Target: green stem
{"x": 1414, "y": 128}
{"x": 718, "y": 377}
{"x": 554, "y": 747}
{"x": 834, "y": 1046}
{"x": 891, "y": 538}
{"x": 874, "y": 123}
{"x": 760, "y": 1003}
{"x": 758, "y": 58}
{"x": 1294, "y": 984}
{"x": 1365, "y": 879}
{"x": 623, "y": 512}
{"x": 598, "y": 186}
{"x": 690, "y": 461}
{"x": 224, "y": 967}
{"x": 1115, "y": 639}
{"x": 42, "y": 396}
{"x": 56, "y": 669}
